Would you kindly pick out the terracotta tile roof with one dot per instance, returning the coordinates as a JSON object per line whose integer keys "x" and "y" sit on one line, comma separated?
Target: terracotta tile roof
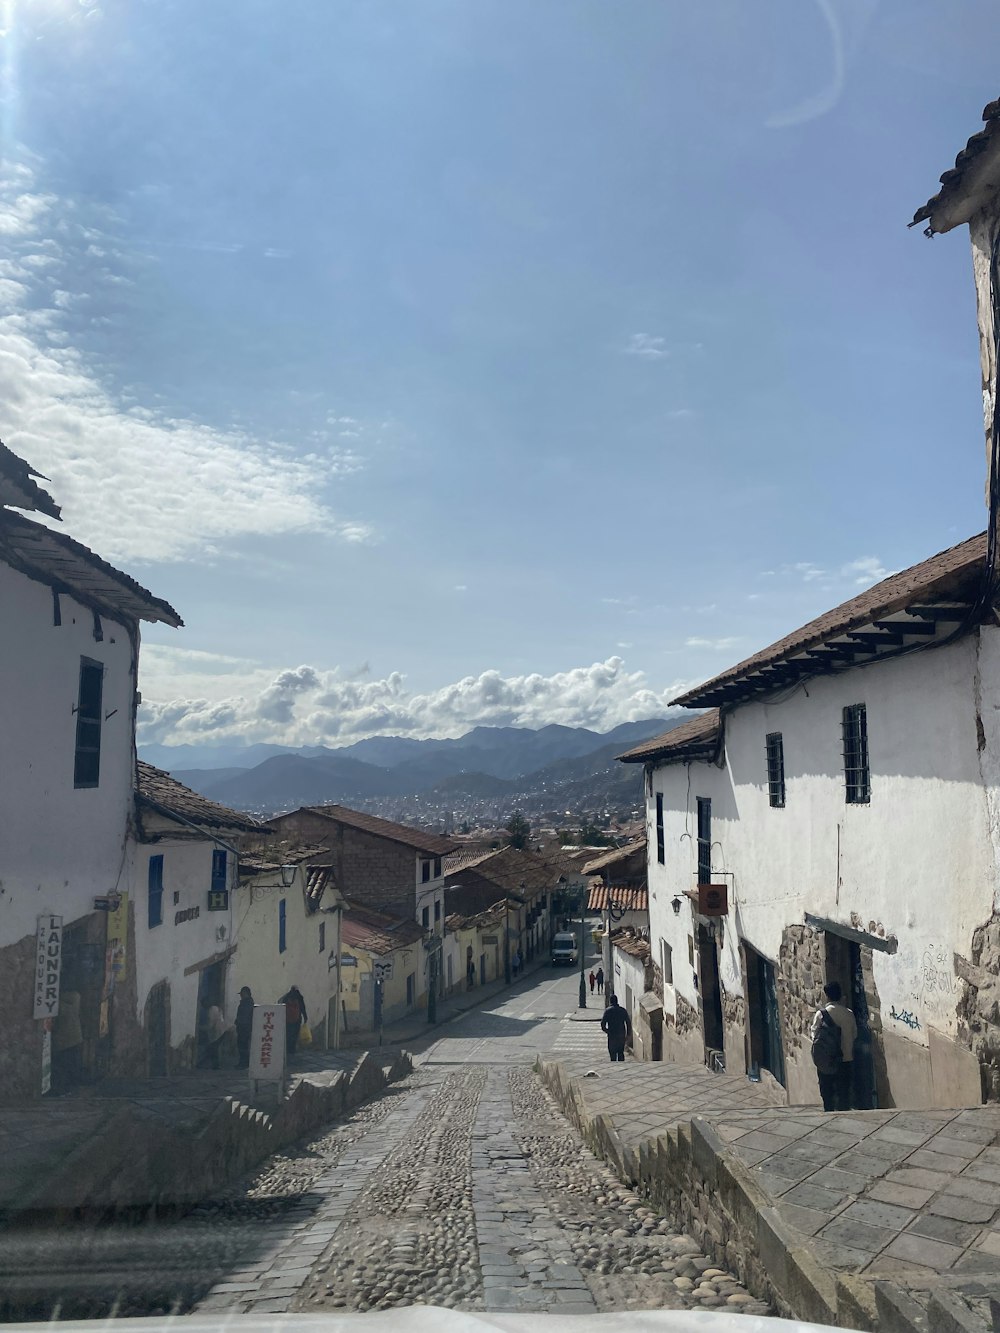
{"x": 429, "y": 843}
{"x": 18, "y": 488}
{"x": 697, "y": 739}
{"x": 269, "y": 856}
{"x": 963, "y": 186}
{"x": 319, "y": 879}
{"x": 629, "y": 899}
{"x": 615, "y": 856}
{"x": 57, "y": 560}
{"x": 633, "y": 946}
{"x": 377, "y": 932}
{"x": 952, "y": 576}
{"x": 160, "y": 792}
{"x": 492, "y": 916}
{"x": 511, "y": 870}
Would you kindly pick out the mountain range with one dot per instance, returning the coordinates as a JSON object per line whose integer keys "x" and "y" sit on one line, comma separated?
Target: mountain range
{"x": 487, "y": 764}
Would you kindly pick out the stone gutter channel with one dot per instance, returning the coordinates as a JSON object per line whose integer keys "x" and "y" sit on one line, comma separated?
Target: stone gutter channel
{"x": 746, "y": 1195}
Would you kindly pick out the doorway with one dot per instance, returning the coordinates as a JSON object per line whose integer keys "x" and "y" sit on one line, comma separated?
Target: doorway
{"x": 845, "y": 964}
{"x": 211, "y": 994}
{"x": 710, "y": 989}
{"x": 766, "y": 1050}
{"x": 156, "y": 1021}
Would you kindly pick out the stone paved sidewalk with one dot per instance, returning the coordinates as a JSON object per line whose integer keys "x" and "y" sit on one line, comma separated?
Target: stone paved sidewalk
{"x": 891, "y": 1198}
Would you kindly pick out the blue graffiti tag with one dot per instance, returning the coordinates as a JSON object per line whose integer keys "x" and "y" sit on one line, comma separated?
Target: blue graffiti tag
{"x": 905, "y": 1017}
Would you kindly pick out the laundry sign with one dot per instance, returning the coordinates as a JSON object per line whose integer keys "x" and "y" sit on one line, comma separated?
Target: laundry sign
{"x": 48, "y": 965}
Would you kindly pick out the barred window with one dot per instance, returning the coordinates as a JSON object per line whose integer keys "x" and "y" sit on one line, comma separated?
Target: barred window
{"x": 704, "y": 840}
{"x": 857, "y": 777}
{"x": 775, "y": 748}
{"x": 660, "y": 847}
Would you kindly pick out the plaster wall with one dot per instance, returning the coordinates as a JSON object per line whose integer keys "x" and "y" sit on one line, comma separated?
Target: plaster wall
{"x": 917, "y": 862}
{"x": 70, "y": 843}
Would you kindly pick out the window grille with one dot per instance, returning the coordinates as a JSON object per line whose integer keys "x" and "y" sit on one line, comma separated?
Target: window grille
{"x": 660, "y": 847}
{"x": 775, "y": 749}
{"x": 704, "y": 840}
{"x": 857, "y": 776}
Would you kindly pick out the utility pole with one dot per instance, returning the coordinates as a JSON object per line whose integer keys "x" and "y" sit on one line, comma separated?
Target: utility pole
{"x": 583, "y": 980}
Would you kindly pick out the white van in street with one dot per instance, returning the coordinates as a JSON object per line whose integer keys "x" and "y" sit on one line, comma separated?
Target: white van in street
{"x": 565, "y": 949}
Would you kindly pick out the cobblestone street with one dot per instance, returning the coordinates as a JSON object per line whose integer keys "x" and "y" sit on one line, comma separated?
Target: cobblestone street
{"x": 463, "y": 1186}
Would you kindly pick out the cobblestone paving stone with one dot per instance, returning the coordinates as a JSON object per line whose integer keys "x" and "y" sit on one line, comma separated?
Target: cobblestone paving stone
{"x": 476, "y": 1194}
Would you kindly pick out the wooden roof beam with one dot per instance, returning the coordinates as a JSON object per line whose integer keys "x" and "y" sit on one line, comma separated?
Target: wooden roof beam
{"x": 953, "y": 612}
{"x": 901, "y": 627}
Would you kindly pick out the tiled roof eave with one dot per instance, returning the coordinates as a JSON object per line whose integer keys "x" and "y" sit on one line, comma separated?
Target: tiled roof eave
{"x": 968, "y": 185}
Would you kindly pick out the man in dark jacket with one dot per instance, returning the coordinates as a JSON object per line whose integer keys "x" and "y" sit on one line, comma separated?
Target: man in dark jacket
{"x": 295, "y": 1016}
{"x": 244, "y": 1026}
{"x": 617, "y": 1025}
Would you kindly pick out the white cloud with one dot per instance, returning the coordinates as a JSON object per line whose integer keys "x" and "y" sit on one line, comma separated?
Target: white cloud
{"x": 716, "y": 645}
{"x": 133, "y": 482}
{"x": 306, "y": 705}
{"x": 649, "y": 345}
{"x": 865, "y": 571}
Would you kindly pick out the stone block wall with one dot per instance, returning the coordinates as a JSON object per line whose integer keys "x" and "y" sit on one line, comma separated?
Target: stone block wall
{"x": 734, "y": 1028}
{"x": 137, "y": 1160}
{"x": 800, "y": 978}
{"x": 978, "y": 1005}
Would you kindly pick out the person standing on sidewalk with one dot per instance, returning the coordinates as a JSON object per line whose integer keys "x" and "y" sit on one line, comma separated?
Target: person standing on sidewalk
{"x": 834, "y": 1030}
{"x": 617, "y": 1024}
{"x": 295, "y": 1016}
{"x": 593, "y": 981}
{"x": 600, "y": 981}
{"x": 244, "y": 1026}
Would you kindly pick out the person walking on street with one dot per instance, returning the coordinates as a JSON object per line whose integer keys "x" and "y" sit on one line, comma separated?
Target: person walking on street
{"x": 593, "y": 981}
{"x": 244, "y": 1026}
{"x": 600, "y": 981}
{"x": 618, "y": 1026}
{"x": 295, "y": 1016}
{"x": 515, "y": 962}
{"x": 833, "y": 1033}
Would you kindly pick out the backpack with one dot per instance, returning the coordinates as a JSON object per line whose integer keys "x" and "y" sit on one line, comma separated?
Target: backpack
{"x": 826, "y": 1048}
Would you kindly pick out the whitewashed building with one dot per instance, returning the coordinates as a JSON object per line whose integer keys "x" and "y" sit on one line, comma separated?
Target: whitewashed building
{"x": 842, "y": 793}
{"x": 287, "y": 930}
{"x": 68, "y": 659}
{"x": 184, "y": 924}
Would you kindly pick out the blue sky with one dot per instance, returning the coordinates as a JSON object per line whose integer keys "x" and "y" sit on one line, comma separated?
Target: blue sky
{"x": 457, "y": 361}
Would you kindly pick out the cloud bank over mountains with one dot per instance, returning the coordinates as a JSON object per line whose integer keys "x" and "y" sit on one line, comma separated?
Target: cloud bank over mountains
{"x": 305, "y": 705}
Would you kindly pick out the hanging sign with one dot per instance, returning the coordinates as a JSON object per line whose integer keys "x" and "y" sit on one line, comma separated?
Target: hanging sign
{"x": 267, "y": 1043}
{"x": 383, "y": 970}
{"x": 713, "y": 899}
{"x": 48, "y": 965}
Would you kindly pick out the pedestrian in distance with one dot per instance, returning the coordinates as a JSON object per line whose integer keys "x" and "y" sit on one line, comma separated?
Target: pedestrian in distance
{"x": 617, "y": 1024}
{"x": 515, "y": 962}
{"x": 834, "y": 1031}
{"x": 600, "y": 981}
{"x": 593, "y": 981}
{"x": 470, "y": 974}
{"x": 244, "y": 1026}
{"x": 295, "y": 1016}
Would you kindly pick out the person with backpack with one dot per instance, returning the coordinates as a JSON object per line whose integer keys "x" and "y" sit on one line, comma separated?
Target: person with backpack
{"x": 295, "y": 1016}
{"x": 834, "y": 1031}
{"x": 617, "y": 1024}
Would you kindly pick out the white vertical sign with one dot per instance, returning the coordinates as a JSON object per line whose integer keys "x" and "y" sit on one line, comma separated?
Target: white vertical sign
{"x": 267, "y": 1042}
{"x": 47, "y": 1057}
{"x": 48, "y": 963}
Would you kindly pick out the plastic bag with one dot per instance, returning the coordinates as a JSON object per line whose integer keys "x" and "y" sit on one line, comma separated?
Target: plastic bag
{"x": 305, "y": 1035}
